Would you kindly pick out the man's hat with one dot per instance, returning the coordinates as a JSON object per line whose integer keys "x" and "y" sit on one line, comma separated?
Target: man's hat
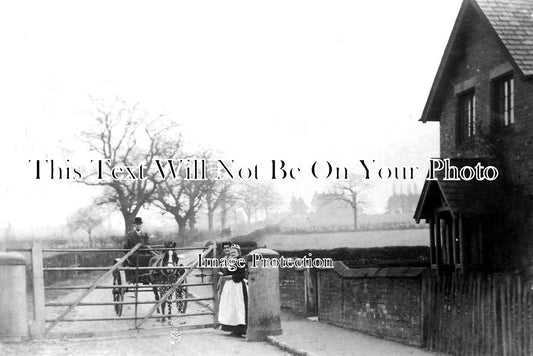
{"x": 138, "y": 221}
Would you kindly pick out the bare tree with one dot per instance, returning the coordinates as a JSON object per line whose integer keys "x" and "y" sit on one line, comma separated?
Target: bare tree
{"x": 195, "y": 192}
{"x": 125, "y": 136}
{"x": 268, "y": 198}
{"x": 248, "y": 200}
{"x": 181, "y": 197}
{"x": 227, "y": 201}
{"x": 86, "y": 219}
{"x": 219, "y": 195}
{"x": 171, "y": 198}
{"x": 350, "y": 192}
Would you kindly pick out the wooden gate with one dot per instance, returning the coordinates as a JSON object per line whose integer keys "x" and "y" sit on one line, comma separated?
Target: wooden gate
{"x": 42, "y": 324}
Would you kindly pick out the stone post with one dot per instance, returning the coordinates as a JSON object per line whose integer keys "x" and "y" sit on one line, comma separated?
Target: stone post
{"x": 264, "y": 312}
{"x": 13, "y": 315}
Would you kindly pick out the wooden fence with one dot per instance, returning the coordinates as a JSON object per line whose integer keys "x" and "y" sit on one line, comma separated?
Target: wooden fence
{"x": 478, "y": 314}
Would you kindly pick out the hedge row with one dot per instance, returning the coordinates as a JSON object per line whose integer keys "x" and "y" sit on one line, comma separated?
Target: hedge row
{"x": 375, "y": 256}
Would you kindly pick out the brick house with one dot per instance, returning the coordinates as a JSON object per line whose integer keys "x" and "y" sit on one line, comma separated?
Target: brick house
{"x": 482, "y": 96}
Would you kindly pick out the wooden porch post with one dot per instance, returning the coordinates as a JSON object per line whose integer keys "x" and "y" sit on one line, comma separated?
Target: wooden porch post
{"x": 462, "y": 242}
{"x": 454, "y": 253}
{"x": 438, "y": 241}
{"x": 432, "y": 254}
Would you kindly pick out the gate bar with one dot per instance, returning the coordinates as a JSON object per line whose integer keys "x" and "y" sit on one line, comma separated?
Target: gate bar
{"x": 132, "y": 318}
{"x": 147, "y": 286}
{"x": 93, "y": 286}
{"x": 176, "y": 285}
{"x": 121, "y": 268}
{"x": 52, "y": 304}
{"x": 113, "y": 249}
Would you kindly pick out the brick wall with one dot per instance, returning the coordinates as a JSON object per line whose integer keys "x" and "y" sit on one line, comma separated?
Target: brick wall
{"x": 292, "y": 290}
{"x": 383, "y": 302}
{"x": 477, "y": 52}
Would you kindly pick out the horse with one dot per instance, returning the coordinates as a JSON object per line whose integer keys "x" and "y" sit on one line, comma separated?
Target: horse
{"x": 168, "y": 259}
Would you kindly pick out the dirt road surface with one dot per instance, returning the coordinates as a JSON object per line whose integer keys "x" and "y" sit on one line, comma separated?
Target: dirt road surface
{"x": 191, "y": 343}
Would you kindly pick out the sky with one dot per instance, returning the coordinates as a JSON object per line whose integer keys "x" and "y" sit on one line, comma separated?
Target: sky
{"x": 299, "y": 81}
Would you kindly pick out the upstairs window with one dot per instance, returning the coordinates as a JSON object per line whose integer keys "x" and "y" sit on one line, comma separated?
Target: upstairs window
{"x": 503, "y": 102}
{"x": 466, "y": 122}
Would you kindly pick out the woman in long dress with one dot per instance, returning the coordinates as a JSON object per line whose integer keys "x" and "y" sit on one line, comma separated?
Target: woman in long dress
{"x": 233, "y": 309}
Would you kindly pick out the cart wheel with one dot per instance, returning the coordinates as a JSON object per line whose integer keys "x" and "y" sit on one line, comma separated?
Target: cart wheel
{"x": 118, "y": 293}
{"x": 181, "y": 293}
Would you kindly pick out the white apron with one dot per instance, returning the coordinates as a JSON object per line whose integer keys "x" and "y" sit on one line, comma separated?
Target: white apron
{"x": 232, "y": 310}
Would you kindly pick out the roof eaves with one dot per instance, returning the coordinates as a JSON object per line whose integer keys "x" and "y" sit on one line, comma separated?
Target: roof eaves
{"x": 426, "y": 114}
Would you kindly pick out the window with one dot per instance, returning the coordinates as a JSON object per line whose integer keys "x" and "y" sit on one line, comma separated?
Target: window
{"x": 466, "y": 116}
{"x": 503, "y": 102}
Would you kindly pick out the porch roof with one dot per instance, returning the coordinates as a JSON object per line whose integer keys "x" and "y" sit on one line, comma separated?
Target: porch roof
{"x": 475, "y": 197}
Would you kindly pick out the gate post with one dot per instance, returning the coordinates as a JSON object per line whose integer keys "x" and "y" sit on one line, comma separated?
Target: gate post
{"x": 264, "y": 312}
{"x": 38, "y": 325}
{"x": 214, "y": 286}
{"x": 13, "y": 320}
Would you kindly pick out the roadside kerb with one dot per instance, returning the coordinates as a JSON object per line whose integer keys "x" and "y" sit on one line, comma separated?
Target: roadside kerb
{"x": 285, "y": 347}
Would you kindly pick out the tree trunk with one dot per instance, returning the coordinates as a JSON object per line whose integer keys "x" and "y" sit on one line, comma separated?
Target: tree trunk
{"x": 191, "y": 213}
{"x": 355, "y": 217}
{"x": 210, "y": 214}
{"x": 182, "y": 225}
{"x": 223, "y": 217}
{"x": 128, "y": 222}
{"x": 210, "y": 210}
{"x": 129, "y": 216}
{"x": 90, "y": 238}
{"x": 192, "y": 223}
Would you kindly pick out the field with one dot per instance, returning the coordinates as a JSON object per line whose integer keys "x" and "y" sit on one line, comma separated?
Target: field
{"x": 359, "y": 239}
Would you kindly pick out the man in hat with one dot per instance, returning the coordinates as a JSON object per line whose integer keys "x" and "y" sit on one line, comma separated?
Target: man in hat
{"x": 136, "y": 235}
{"x": 138, "y": 258}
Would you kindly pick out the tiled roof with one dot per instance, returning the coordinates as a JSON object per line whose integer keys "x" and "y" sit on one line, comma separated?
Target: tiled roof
{"x": 513, "y": 22}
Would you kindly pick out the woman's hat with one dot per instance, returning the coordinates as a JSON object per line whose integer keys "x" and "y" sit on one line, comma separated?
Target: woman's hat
{"x": 138, "y": 221}
{"x": 226, "y": 244}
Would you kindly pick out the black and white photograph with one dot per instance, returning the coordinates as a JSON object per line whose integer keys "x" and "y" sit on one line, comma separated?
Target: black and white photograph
{"x": 266, "y": 177}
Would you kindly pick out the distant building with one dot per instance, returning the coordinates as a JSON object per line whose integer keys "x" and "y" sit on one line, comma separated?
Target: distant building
{"x": 482, "y": 96}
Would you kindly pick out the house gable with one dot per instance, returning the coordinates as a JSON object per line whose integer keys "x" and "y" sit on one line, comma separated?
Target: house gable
{"x": 483, "y": 19}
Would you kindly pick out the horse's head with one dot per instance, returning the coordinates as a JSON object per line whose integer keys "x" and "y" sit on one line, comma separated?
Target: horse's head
{"x": 170, "y": 259}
